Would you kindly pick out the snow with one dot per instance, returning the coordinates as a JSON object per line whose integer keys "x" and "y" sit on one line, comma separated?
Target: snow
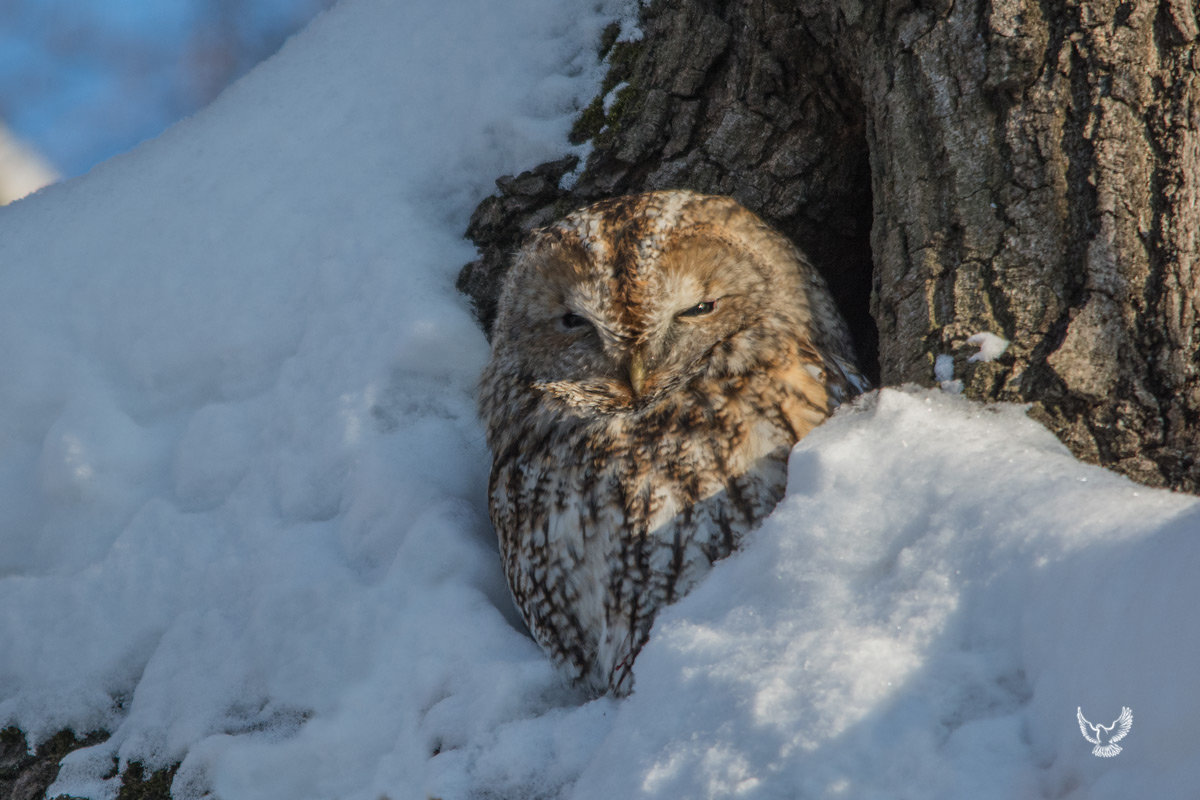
{"x": 242, "y": 494}
{"x": 22, "y": 170}
{"x": 921, "y": 616}
{"x": 943, "y": 373}
{"x": 990, "y": 346}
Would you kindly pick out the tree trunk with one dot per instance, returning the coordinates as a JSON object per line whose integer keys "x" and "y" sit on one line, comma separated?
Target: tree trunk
{"x": 1023, "y": 168}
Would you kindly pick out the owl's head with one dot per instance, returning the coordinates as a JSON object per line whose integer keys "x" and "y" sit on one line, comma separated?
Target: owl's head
{"x": 626, "y": 301}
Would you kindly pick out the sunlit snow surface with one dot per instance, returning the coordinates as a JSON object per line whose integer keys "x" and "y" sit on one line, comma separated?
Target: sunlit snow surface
{"x": 242, "y": 518}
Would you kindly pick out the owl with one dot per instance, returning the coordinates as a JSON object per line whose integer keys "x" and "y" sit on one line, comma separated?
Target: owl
{"x": 654, "y": 358}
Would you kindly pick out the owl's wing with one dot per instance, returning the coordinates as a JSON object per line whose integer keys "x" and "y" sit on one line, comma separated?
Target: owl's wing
{"x": 843, "y": 379}
{"x": 1123, "y": 724}
{"x": 1084, "y": 726}
{"x": 856, "y": 380}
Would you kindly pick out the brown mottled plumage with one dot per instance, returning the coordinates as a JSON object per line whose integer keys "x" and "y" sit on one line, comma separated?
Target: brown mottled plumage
{"x": 654, "y": 359}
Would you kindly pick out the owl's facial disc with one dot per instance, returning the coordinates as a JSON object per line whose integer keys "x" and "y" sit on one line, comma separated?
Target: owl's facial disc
{"x": 630, "y": 326}
{"x": 673, "y": 343}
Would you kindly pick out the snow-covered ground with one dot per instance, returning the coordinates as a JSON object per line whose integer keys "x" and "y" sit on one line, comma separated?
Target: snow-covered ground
{"x": 242, "y": 517}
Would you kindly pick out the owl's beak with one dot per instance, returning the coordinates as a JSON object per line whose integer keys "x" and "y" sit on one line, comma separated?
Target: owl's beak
{"x": 637, "y": 373}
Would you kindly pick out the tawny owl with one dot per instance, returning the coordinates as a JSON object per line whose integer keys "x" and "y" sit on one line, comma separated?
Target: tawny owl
{"x": 654, "y": 359}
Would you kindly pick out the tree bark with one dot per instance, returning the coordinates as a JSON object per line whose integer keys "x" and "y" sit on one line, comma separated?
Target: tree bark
{"x": 1023, "y": 168}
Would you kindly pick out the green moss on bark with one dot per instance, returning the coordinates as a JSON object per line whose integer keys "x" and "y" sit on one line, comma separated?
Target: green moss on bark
{"x": 594, "y": 120}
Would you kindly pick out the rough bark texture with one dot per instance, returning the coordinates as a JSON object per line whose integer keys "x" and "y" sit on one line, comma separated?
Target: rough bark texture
{"x": 953, "y": 166}
{"x": 1035, "y": 175}
{"x": 739, "y": 101}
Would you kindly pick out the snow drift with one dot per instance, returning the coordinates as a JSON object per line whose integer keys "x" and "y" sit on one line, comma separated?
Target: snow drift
{"x": 242, "y": 516}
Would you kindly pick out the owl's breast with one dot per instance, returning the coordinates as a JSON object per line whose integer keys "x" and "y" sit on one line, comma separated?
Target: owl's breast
{"x": 603, "y": 520}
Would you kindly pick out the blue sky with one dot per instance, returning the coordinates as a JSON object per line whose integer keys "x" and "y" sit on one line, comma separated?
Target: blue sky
{"x": 82, "y": 81}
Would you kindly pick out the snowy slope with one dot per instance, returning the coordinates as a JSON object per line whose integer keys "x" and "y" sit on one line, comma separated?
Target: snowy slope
{"x": 942, "y": 587}
{"x": 242, "y": 521}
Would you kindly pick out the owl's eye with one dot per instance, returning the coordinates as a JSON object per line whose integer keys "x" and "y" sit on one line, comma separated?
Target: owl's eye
{"x": 571, "y": 321}
{"x": 699, "y": 310}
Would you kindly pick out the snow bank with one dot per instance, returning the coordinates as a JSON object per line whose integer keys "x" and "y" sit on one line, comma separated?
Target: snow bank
{"x": 240, "y": 471}
{"x": 942, "y": 587}
{"x": 22, "y": 169}
{"x": 242, "y": 494}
